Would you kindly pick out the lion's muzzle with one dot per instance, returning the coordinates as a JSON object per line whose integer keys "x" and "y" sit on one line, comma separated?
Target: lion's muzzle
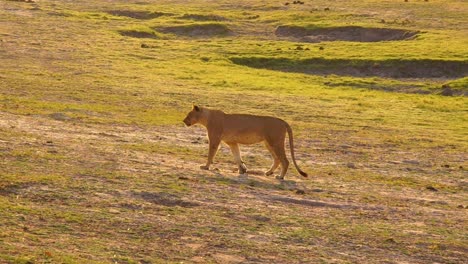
{"x": 187, "y": 122}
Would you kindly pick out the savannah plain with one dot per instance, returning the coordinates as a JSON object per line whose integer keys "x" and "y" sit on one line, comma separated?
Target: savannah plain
{"x": 96, "y": 165}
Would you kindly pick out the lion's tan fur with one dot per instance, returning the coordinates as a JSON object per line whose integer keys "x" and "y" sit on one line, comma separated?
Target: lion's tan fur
{"x": 234, "y": 129}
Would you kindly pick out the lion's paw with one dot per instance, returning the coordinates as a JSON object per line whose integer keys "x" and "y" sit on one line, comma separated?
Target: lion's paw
{"x": 279, "y": 177}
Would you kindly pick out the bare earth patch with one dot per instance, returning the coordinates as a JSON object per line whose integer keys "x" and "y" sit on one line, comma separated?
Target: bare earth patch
{"x": 137, "y": 34}
{"x": 197, "y": 30}
{"x": 198, "y": 17}
{"x": 361, "y": 68}
{"x": 144, "y": 15}
{"x": 348, "y": 33}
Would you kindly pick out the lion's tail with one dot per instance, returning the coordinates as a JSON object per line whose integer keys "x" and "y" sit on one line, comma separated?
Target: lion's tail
{"x": 291, "y": 145}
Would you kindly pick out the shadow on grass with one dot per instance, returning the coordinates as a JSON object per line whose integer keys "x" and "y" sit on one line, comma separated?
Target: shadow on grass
{"x": 281, "y": 185}
{"x": 244, "y": 179}
{"x": 165, "y": 199}
{"x": 393, "y": 68}
{"x": 291, "y": 185}
{"x": 15, "y": 188}
{"x": 307, "y": 202}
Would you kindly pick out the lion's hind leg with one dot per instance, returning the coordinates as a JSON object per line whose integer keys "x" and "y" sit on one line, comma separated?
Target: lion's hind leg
{"x": 276, "y": 161}
{"x": 279, "y": 150}
{"x": 280, "y": 154}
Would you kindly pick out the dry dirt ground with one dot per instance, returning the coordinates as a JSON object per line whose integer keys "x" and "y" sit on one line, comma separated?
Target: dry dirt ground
{"x": 129, "y": 194}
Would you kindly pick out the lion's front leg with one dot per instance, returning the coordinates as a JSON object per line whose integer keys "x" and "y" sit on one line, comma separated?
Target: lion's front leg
{"x": 237, "y": 157}
{"x": 212, "y": 149}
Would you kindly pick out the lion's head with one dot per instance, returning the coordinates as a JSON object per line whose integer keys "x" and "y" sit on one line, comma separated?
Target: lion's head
{"x": 194, "y": 116}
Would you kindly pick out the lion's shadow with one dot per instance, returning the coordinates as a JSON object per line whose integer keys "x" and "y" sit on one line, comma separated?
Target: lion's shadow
{"x": 254, "y": 180}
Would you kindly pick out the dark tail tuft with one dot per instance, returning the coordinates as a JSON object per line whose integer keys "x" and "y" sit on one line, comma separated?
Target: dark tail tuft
{"x": 303, "y": 174}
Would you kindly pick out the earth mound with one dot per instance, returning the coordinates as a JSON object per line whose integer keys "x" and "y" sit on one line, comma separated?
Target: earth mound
{"x": 198, "y": 17}
{"x": 137, "y": 34}
{"x": 347, "y": 33}
{"x": 143, "y": 15}
{"x": 197, "y": 30}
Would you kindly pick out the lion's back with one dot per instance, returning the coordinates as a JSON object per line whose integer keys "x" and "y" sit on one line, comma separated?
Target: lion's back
{"x": 249, "y": 129}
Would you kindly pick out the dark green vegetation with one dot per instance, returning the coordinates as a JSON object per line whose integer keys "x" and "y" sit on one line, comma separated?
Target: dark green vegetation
{"x": 96, "y": 166}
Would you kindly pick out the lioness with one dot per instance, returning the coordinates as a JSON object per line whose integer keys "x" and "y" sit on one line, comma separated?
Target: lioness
{"x": 234, "y": 129}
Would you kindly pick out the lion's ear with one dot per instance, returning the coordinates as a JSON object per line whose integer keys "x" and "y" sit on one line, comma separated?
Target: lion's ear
{"x": 196, "y": 108}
